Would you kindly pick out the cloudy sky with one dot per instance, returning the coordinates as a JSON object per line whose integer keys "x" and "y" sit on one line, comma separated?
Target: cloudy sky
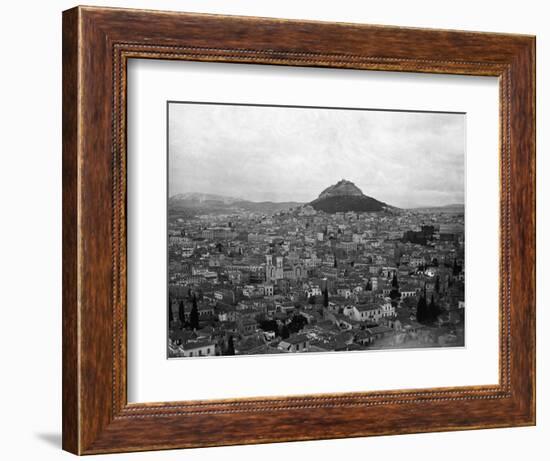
{"x": 406, "y": 159}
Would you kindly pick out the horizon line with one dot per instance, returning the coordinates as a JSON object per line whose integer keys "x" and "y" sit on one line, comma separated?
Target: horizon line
{"x": 240, "y": 199}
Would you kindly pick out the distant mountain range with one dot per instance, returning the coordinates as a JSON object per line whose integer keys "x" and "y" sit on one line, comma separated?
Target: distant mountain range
{"x": 193, "y": 203}
{"x": 340, "y": 197}
{"x": 193, "y": 198}
{"x": 449, "y": 208}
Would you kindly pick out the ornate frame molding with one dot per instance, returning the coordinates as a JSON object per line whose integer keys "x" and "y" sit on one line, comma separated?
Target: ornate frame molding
{"x": 97, "y": 45}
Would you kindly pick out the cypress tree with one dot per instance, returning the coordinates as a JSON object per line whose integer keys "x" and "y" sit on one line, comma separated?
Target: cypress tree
{"x": 421, "y": 310}
{"x": 433, "y": 310}
{"x": 456, "y": 268}
{"x": 170, "y": 313}
{"x": 285, "y": 333}
{"x": 230, "y": 346}
{"x": 181, "y": 312}
{"x": 394, "y": 293}
{"x": 194, "y": 315}
{"x": 394, "y": 282}
{"x": 325, "y": 297}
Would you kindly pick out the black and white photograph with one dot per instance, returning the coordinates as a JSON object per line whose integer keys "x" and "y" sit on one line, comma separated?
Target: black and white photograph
{"x": 313, "y": 229}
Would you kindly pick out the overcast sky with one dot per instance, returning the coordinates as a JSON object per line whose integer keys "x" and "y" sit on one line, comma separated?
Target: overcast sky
{"x": 406, "y": 159}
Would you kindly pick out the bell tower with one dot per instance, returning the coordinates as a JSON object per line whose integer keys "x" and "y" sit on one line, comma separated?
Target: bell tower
{"x": 269, "y": 268}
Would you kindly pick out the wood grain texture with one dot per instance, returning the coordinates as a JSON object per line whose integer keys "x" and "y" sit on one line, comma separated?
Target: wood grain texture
{"x": 70, "y": 385}
{"x": 97, "y": 43}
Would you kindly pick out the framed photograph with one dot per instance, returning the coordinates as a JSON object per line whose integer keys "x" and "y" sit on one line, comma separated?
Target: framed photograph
{"x": 282, "y": 230}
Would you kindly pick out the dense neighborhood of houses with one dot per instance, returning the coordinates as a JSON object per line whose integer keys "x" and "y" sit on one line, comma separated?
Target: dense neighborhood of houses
{"x": 302, "y": 280}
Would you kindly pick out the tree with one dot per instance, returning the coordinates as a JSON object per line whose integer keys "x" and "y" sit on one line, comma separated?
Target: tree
{"x": 181, "y": 312}
{"x": 456, "y": 268}
{"x": 170, "y": 313}
{"x": 325, "y": 297}
{"x": 194, "y": 315}
{"x": 312, "y": 300}
{"x": 369, "y": 286}
{"x": 269, "y": 325}
{"x": 230, "y": 346}
{"x": 421, "y": 310}
{"x": 284, "y": 332}
{"x": 394, "y": 282}
{"x": 297, "y": 323}
{"x": 394, "y": 293}
{"x": 437, "y": 287}
{"x": 433, "y": 310}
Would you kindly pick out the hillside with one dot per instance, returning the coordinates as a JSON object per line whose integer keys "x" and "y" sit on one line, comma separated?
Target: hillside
{"x": 345, "y": 196}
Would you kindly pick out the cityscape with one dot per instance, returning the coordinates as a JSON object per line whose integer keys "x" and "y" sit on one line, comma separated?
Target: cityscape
{"x": 343, "y": 271}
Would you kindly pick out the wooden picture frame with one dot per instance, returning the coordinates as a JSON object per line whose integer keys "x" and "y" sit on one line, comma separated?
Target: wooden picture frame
{"x": 97, "y": 43}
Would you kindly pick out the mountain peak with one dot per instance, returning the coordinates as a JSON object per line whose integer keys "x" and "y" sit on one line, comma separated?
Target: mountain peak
{"x": 342, "y": 188}
{"x": 345, "y": 196}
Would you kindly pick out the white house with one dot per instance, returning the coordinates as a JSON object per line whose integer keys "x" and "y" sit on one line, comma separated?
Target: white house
{"x": 197, "y": 349}
{"x": 370, "y": 312}
{"x": 387, "y": 308}
{"x": 313, "y": 290}
{"x": 363, "y": 313}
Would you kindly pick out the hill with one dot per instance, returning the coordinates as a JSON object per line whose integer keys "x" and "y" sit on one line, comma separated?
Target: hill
{"x": 345, "y": 196}
{"x": 192, "y": 204}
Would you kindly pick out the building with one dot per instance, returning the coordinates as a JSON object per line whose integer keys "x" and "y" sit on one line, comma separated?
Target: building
{"x": 201, "y": 348}
{"x": 295, "y": 343}
{"x": 267, "y": 289}
{"x": 218, "y": 233}
{"x": 274, "y": 272}
{"x": 364, "y": 313}
{"x": 247, "y": 326}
